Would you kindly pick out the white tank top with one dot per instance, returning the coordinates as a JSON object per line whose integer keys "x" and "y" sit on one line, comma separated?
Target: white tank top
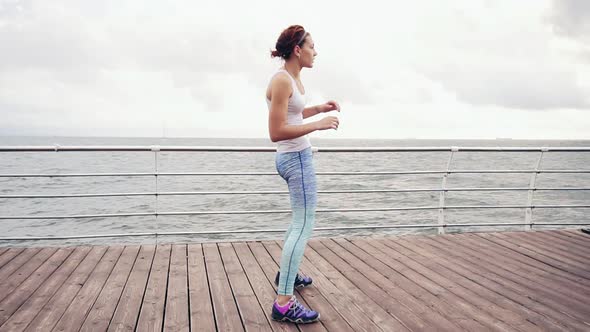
{"x": 294, "y": 117}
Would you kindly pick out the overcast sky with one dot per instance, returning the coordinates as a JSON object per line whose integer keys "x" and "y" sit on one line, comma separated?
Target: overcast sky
{"x": 400, "y": 69}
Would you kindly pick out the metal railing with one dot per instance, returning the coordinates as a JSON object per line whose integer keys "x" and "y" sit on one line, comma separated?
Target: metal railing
{"x": 441, "y": 225}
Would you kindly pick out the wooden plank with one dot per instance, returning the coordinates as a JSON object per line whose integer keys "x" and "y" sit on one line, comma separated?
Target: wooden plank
{"x": 382, "y": 294}
{"x": 394, "y": 265}
{"x": 9, "y": 254}
{"x": 17, "y": 319}
{"x": 10, "y": 267}
{"x": 101, "y": 312}
{"x": 548, "y": 263}
{"x": 565, "y": 247}
{"x": 261, "y": 286}
{"x": 269, "y": 261}
{"x": 74, "y": 316}
{"x": 128, "y": 308}
{"x": 407, "y": 292}
{"x": 529, "y": 262}
{"x": 352, "y": 304}
{"x": 9, "y": 284}
{"x": 464, "y": 281}
{"x": 16, "y": 298}
{"x": 562, "y": 294}
{"x": 494, "y": 304}
{"x": 551, "y": 245}
{"x": 576, "y": 230}
{"x": 252, "y": 314}
{"x": 151, "y": 316}
{"x": 571, "y": 238}
{"x": 376, "y": 259}
{"x": 470, "y": 262}
{"x": 270, "y": 264}
{"x": 54, "y": 309}
{"x": 226, "y": 313}
{"x": 201, "y": 308}
{"x": 311, "y": 297}
{"x": 576, "y": 233}
{"x": 543, "y": 250}
{"x": 3, "y": 250}
{"x": 578, "y": 245}
{"x": 539, "y": 255}
{"x": 535, "y": 274}
{"x": 410, "y": 269}
{"x": 177, "y": 311}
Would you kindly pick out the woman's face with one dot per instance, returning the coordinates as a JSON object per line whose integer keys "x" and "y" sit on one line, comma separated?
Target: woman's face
{"x": 307, "y": 53}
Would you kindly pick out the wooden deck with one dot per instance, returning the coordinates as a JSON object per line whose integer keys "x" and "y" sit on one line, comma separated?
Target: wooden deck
{"x": 513, "y": 281}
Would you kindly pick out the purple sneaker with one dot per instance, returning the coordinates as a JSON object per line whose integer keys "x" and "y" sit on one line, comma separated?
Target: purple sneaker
{"x": 294, "y": 312}
{"x": 300, "y": 281}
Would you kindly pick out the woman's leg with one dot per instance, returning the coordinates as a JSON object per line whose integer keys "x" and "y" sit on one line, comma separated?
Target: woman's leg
{"x": 297, "y": 169}
{"x": 300, "y": 176}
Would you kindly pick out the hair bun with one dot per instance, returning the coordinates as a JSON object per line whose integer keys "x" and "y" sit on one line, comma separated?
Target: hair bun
{"x": 289, "y": 38}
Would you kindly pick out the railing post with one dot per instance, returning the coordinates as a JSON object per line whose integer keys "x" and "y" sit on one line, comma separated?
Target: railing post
{"x": 528, "y": 213}
{"x": 441, "y": 200}
{"x": 156, "y": 149}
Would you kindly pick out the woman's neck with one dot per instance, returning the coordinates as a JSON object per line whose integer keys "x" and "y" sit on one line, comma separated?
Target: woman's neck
{"x": 293, "y": 68}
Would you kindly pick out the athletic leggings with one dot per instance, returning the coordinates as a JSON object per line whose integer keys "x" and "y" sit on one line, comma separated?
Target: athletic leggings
{"x": 297, "y": 170}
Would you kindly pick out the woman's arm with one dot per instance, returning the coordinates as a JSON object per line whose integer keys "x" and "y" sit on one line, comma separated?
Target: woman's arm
{"x": 311, "y": 111}
{"x": 279, "y": 130}
{"x": 317, "y": 109}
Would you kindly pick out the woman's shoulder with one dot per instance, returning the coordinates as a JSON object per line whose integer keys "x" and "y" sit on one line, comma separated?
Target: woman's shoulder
{"x": 280, "y": 79}
{"x": 280, "y": 83}
{"x": 281, "y": 76}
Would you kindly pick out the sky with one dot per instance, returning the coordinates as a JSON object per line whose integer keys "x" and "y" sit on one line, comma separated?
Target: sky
{"x": 468, "y": 69}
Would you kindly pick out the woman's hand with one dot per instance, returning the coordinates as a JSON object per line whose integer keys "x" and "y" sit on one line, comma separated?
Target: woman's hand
{"x": 328, "y": 107}
{"x": 329, "y": 122}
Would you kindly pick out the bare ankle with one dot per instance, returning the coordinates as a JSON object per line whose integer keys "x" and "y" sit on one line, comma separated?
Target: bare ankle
{"x": 283, "y": 299}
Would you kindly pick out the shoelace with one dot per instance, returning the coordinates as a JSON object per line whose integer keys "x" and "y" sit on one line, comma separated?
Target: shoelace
{"x": 298, "y": 308}
{"x": 300, "y": 278}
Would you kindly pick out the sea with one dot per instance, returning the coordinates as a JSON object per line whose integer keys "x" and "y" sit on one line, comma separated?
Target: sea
{"x": 248, "y": 162}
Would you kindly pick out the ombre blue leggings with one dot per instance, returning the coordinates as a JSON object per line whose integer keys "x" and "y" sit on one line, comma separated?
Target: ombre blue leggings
{"x": 297, "y": 170}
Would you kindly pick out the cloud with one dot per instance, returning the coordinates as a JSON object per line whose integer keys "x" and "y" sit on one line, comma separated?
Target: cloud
{"x": 521, "y": 85}
{"x": 506, "y": 59}
{"x": 341, "y": 85}
{"x": 75, "y": 57}
{"x": 571, "y": 18}
{"x": 140, "y": 63}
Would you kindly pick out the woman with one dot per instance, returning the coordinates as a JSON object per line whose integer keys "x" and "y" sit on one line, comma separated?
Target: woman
{"x": 286, "y": 103}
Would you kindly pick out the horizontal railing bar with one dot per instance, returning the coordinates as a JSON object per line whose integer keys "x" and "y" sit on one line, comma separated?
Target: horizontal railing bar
{"x": 560, "y": 224}
{"x": 190, "y": 213}
{"x": 83, "y": 195}
{"x": 379, "y": 209}
{"x": 82, "y": 216}
{"x": 67, "y": 175}
{"x": 520, "y": 171}
{"x": 69, "y": 237}
{"x": 455, "y": 149}
{"x": 559, "y": 206}
{"x": 277, "y": 192}
{"x": 58, "y": 148}
{"x": 32, "y": 175}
